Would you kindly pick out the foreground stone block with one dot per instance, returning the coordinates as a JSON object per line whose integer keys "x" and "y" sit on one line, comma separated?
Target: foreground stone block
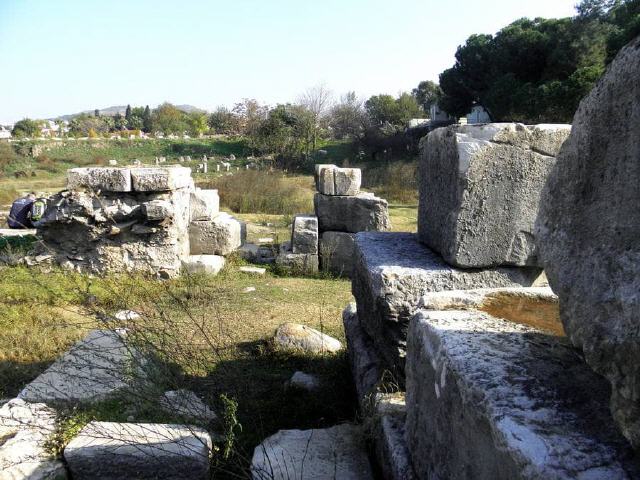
{"x": 480, "y": 188}
{"x": 94, "y": 369}
{"x": 157, "y": 179}
{"x": 304, "y": 234}
{"x": 219, "y": 236}
{"x": 25, "y": 429}
{"x": 332, "y": 180}
{"x": 300, "y": 338}
{"x": 211, "y": 264}
{"x": 361, "y": 213}
{"x": 298, "y": 263}
{"x": 393, "y": 271}
{"x": 492, "y": 399}
{"x": 588, "y": 233}
{"x": 106, "y": 179}
{"x": 338, "y": 452}
{"x": 107, "y": 450}
{"x": 337, "y": 251}
{"x": 204, "y": 204}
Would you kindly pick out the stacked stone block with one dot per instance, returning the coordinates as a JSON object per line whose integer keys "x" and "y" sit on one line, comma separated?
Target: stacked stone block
{"x": 143, "y": 219}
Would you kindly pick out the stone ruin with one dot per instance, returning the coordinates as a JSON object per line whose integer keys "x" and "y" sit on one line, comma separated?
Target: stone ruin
{"x": 137, "y": 219}
{"x": 497, "y": 377}
{"x": 341, "y": 210}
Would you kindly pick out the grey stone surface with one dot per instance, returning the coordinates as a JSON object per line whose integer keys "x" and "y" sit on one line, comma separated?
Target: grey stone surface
{"x": 94, "y": 369}
{"x": 295, "y": 337}
{"x": 259, "y": 271}
{"x": 338, "y": 453}
{"x": 204, "y": 204}
{"x": 361, "y": 213}
{"x": 304, "y": 234}
{"x": 492, "y": 399}
{"x": 110, "y": 451}
{"x": 393, "y": 271}
{"x": 304, "y": 381}
{"x": 320, "y": 177}
{"x": 331, "y": 180}
{"x": 158, "y": 210}
{"x": 219, "y": 236}
{"x": 480, "y": 188}
{"x": 24, "y": 430}
{"x": 106, "y": 179}
{"x": 363, "y": 359}
{"x": 211, "y": 264}
{"x": 588, "y": 232}
{"x": 159, "y": 179}
{"x": 337, "y": 251}
{"x": 186, "y": 405}
{"x": 297, "y": 263}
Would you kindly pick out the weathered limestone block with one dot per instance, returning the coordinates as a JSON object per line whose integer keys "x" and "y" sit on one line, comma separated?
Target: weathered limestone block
{"x": 107, "y": 450}
{"x": 158, "y": 210}
{"x": 105, "y": 179}
{"x": 338, "y": 452}
{"x": 300, "y": 338}
{"x": 211, "y": 264}
{"x": 186, "y": 405}
{"x": 337, "y": 252}
{"x": 393, "y": 271}
{"x": 304, "y": 234}
{"x": 94, "y": 369}
{"x": 480, "y": 188}
{"x": 361, "y": 213}
{"x": 219, "y": 236}
{"x": 588, "y": 232}
{"x": 492, "y": 399}
{"x": 25, "y": 429}
{"x": 297, "y": 263}
{"x": 332, "y": 180}
{"x": 205, "y": 204}
{"x": 159, "y": 179}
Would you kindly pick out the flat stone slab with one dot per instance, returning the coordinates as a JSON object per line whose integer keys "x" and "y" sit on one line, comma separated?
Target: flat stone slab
{"x": 219, "y": 236}
{"x": 492, "y": 399}
{"x": 204, "y": 204}
{"x": 469, "y": 174}
{"x": 300, "y": 338}
{"x": 108, "y": 450}
{"x": 94, "y": 369}
{"x": 360, "y": 213}
{"x": 337, "y": 251}
{"x": 105, "y": 179}
{"x": 211, "y": 264}
{"x": 338, "y": 453}
{"x": 393, "y": 271}
{"x": 25, "y": 429}
{"x": 253, "y": 270}
{"x": 160, "y": 179}
{"x": 187, "y": 405}
{"x": 17, "y": 232}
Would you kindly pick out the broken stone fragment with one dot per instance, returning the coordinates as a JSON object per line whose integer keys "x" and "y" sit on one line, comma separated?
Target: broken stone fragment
{"x": 304, "y": 381}
{"x": 304, "y": 234}
{"x": 298, "y": 263}
{"x": 331, "y": 180}
{"x": 157, "y": 210}
{"x": 295, "y": 337}
{"x": 588, "y": 232}
{"x": 187, "y": 405}
{"x": 338, "y": 452}
{"x": 211, "y": 264}
{"x": 159, "y": 179}
{"x": 108, "y": 450}
{"x": 204, "y": 204}
{"x": 480, "y": 188}
{"x": 219, "y": 236}
{"x": 105, "y": 179}
{"x": 360, "y": 213}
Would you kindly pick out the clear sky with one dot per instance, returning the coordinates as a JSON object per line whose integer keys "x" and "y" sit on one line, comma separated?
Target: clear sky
{"x": 64, "y": 56}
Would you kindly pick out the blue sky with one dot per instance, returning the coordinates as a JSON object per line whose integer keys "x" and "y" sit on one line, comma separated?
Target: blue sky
{"x": 64, "y": 56}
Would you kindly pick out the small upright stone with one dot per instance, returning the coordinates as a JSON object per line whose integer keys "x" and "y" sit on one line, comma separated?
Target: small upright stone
{"x": 331, "y": 180}
{"x": 304, "y": 234}
{"x": 105, "y": 179}
{"x": 159, "y": 179}
{"x": 204, "y": 204}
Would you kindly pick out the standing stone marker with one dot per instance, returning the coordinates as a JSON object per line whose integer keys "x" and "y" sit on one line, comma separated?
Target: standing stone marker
{"x": 304, "y": 234}
{"x": 331, "y": 180}
{"x": 480, "y": 189}
{"x": 589, "y": 234}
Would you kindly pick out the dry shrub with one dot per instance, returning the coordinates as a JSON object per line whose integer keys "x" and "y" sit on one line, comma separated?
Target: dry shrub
{"x": 396, "y": 182}
{"x": 255, "y": 191}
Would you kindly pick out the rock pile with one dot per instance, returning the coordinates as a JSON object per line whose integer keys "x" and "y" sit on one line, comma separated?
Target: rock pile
{"x": 149, "y": 220}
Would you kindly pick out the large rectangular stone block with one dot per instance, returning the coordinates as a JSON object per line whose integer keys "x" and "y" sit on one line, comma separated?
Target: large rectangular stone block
{"x": 159, "y": 179}
{"x": 105, "y": 179}
{"x": 490, "y": 399}
{"x": 337, "y": 252}
{"x": 361, "y": 213}
{"x": 480, "y": 187}
{"x": 393, "y": 271}
{"x": 304, "y": 234}
{"x": 219, "y": 236}
{"x": 204, "y": 204}
{"x": 109, "y": 450}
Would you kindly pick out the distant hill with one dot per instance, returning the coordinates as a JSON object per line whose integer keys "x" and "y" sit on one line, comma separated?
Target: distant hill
{"x": 121, "y": 109}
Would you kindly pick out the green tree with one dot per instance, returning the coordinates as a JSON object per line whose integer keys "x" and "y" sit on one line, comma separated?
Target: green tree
{"x": 169, "y": 119}
{"x": 197, "y": 123}
{"x": 427, "y": 93}
{"x": 347, "y": 118}
{"x": 27, "y": 128}
{"x": 147, "y": 122}
{"x": 385, "y": 110}
{"x": 85, "y": 125}
{"x": 223, "y": 121}
{"x": 127, "y": 114}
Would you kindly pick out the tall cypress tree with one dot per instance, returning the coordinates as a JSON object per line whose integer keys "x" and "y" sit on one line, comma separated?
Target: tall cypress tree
{"x": 146, "y": 120}
{"x": 127, "y": 113}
